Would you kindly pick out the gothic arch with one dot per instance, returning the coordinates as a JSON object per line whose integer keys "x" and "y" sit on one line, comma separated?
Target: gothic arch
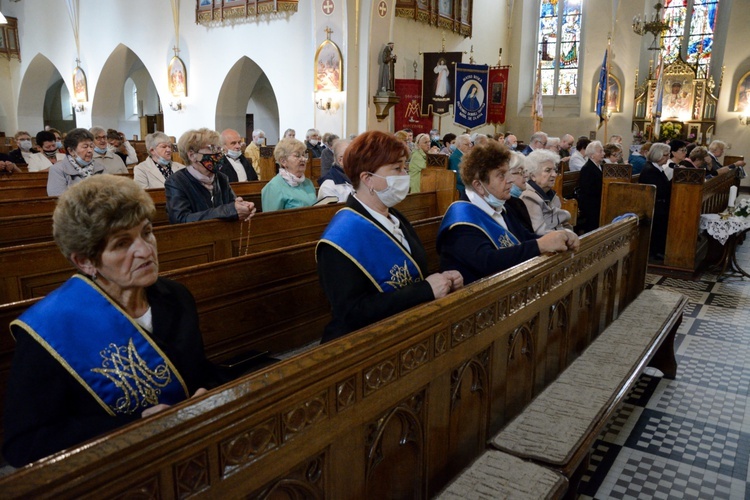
{"x": 40, "y": 77}
{"x": 108, "y": 108}
{"x": 247, "y": 90}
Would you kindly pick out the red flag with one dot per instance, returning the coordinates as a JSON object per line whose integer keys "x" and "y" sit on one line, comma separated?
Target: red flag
{"x": 498, "y": 95}
{"x": 408, "y": 110}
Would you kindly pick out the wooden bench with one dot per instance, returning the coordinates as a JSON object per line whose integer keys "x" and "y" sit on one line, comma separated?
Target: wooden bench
{"x": 25, "y": 179}
{"x": 393, "y": 410}
{"x": 33, "y": 270}
{"x": 498, "y": 475}
{"x": 559, "y": 427}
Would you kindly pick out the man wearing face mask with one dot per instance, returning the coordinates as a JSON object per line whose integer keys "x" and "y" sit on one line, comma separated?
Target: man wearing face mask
{"x": 312, "y": 142}
{"x": 463, "y": 146}
{"x": 233, "y": 164}
{"x": 371, "y": 263}
{"x": 104, "y": 156}
{"x": 511, "y": 142}
{"x": 49, "y": 155}
{"x": 479, "y": 238}
{"x": 24, "y": 150}
{"x": 78, "y": 164}
{"x": 252, "y": 151}
{"x": 200, "y": 191}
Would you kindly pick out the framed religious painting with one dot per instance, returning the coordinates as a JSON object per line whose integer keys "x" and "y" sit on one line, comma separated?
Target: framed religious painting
{"x": 328, "y": 68}
{"x": 614, "y": 93}
{"x": 742, "y": 97}
{"x": 80, "y": 88}
{"x": 177, "y": 75}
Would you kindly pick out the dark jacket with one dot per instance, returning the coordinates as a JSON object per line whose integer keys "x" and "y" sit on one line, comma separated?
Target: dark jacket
{"x": 17, "y": 157}
{"x": 355, "y": 301}
{"x": 189, "y": 201}
{"x": 47, "y": 410}
{"x": 316, "y": 150}
{"x": 469, "y": 251}
{"x": 653, "y": 175}
{"x": 226, "y": 168}
{"x": 590, "y": 195}
{"x": 326, "y": 161}
{"x": 336, "y": 174}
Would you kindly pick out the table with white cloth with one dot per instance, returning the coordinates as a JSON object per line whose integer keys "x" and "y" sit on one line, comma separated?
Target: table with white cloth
{"x": 729, "y": 232}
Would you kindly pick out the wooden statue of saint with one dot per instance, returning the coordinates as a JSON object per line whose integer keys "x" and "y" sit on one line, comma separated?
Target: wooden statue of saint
{"x": 387, "y": 62}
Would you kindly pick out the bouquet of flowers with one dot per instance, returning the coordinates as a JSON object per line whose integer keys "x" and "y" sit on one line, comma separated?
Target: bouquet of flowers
{"x": 670, "y": 130}
{"x": 743, "y": 208}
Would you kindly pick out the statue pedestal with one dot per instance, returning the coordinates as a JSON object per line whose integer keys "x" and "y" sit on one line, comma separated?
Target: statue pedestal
{"x": 384, "y": 101}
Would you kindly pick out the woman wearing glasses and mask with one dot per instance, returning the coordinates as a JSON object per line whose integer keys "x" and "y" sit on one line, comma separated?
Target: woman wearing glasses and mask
{"x": 479, "y": 238}
{"x": 289, "y": 188}
{"x": 200, "y": 191}
{"x": 371, "y": 263}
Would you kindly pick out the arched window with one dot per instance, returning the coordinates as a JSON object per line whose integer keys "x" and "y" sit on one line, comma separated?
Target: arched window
{"x": 559, "y": 40}
{"x": 694, "y": 21}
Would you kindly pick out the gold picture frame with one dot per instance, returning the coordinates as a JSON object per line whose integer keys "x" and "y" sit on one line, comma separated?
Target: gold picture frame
{"x": 614, "y": 94}
{"x": 80, "y": 86}
{"x": 329, "y": 68}
{"x": 742, "y": 95}
{"x": 177, "y": 77}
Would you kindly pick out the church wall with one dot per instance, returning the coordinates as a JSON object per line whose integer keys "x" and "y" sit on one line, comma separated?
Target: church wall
{"x": 8, "y": 95}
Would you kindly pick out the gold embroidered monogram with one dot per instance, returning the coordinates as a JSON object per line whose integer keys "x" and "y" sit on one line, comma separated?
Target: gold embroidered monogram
{"x": 140, "y": 385}
{"x": 400, "y": 276}
{"x": 505, "y": 241}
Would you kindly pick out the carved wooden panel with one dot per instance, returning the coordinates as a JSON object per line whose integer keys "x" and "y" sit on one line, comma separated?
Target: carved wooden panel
{"x": 302, "y": 416}
{"x": 462, "y": 330}
{"x": 588, "y": 318}
{"x": 485, "y": 318}
{"x": 245, "y": 448}
{"x": 191, "y": 475}
{"x": 609, "y": 293}
{"x": 520, "y": 366}
{"x": 217, "y": 12}
{"x": 394, "y": 451}
{"x": 558, "y": 331}
{"x": 346, "y": 393}
{"x": 147, "y": 489}
{"x": 306, "y": 481}
{"x": 379, "y": 375}
{"x": 689, "y": 176}
{"x": 468, "y": 411}
{"x": 441, "y": 343}
{"x": 414, "y": 356}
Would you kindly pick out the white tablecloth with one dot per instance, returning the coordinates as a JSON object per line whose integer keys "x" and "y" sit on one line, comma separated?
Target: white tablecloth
{"x": 721, "y": 229}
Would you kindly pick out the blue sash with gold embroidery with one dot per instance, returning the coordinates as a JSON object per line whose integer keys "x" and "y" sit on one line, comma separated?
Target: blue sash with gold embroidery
{"x": 375, "y": 251}
{"x": 103, "y": 348}
{"x": 465, "y": 213}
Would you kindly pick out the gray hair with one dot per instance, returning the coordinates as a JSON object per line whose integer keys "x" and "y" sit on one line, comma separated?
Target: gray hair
{"x": 312, "y": 131}
{"x": 716, "y": 145}
{"x": 257, "y": 132}
{"x": 153, "y": 140}
{"x": 97, "y": 130}
{"x": 287, "y": 147}
{"x": 328, "y": 138}
{"x": 537, "y": 157}
{"x": 538, "y": 136}
{"x": 553, "y": 141}
{"x": 594, "y": 146}
{"x": 517, "y": 160}
{"x": 463, "y": 139}
{"x": 657, "y": 151}
{"x": 339, "y": 146}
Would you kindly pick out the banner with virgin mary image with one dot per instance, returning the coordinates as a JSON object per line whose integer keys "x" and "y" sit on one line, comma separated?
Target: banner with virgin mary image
{"x": 498, "y": 91}
{"x": 470, "y": 108}
{"x": 438, "y": 76}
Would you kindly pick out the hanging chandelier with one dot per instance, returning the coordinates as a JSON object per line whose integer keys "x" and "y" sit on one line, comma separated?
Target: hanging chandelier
{"x": 655, "y": 25}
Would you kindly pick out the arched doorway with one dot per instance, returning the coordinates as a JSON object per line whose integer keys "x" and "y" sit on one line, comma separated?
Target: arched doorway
{"x": 55, "y": 109}
{"x": 247, "y": 101}
{"x": 125, "y": 92}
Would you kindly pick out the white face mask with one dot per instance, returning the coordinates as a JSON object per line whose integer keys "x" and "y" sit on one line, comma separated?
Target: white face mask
{"x": 233, "y": 154}
{"x": 398, "y": 188}
{"x": 25, "y": 145}
{"x": 260, "y": 141}
{"x": 314, "y": 142}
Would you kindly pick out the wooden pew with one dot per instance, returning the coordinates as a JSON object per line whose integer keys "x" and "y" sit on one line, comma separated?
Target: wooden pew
{"x": 437, "y": 160}
{"x": 46, "y": 204}
{"x": 25, "y": 179}
{"x": 569, "y": 204}
{"x": 692, "y": 196}
{"x": 393, "y": 410}
{"x": 613, "y": 172}
{"x": 28, "y": 271}
{"x": 569, "y": 184}
{"x": 267, "y": 163}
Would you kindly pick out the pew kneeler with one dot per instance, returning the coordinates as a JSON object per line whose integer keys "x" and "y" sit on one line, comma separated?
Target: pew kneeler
{"x": 498, "y": 475}
{"x": 559, "y": 427}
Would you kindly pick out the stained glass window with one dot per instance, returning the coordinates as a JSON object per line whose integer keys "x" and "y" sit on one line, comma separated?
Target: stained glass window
{"x": 701, "y": 39}
{"x": 559, "y": 45}
{"x": 694, "y": 22}
{"x": 675, "y": 12}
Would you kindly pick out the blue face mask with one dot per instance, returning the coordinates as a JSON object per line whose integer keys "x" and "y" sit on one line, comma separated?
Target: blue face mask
{"x": 492, "y": 200}
{"x": 83, "y": 162}
{"x": 162, "y": 161}
{"x": 515, "y": 191}
{"x": 100, "y": 151}
{"x": 452, "y": 147}
{"x": 58, "y": 145}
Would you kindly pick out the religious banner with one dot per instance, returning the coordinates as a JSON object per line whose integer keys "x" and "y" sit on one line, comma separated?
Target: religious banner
{"x": 498, "y": 90}
{"x": 470, "y": 107}
{"x": 408, "y": 110}
{"x": 437, "y": 81}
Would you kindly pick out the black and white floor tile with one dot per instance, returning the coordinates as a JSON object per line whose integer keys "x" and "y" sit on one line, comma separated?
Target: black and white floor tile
{"x": 688, "y": 437}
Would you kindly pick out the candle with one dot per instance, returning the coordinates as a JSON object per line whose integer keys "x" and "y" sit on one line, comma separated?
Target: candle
{"x": 732, "y": 195}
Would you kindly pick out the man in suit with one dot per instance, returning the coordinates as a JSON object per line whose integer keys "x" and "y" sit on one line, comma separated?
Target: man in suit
{"x": 233, "y": 164}
{"x": 590, "y": 186}
{"x": 716, "y": 151}
{"x": 537, "y": 141}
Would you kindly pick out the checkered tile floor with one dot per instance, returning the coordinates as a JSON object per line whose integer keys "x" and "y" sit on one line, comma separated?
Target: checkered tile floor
{"x": 689, "y": 437}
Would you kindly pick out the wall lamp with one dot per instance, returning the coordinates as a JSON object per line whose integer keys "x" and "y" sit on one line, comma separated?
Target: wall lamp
{"x": 176, "y": 106}
{"x": 744, "y": 119}
{"x": 327, "y": 104}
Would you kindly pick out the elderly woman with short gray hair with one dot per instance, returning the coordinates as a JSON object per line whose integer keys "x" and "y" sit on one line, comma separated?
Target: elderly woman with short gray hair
{"x": 657, "y": 173}
{"x": 543, "y": 204}
{"x": 289, "y": 188}
{"x": 154, "y": 170}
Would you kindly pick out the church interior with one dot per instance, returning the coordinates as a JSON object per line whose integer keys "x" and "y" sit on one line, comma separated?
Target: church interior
{"x": 294, "y": 429}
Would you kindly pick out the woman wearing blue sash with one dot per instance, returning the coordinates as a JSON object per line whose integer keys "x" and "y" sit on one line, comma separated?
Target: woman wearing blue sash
{"x": 114, "y": 343}
{"x": 478, "y": 238}
{"x": 371, "y": 263}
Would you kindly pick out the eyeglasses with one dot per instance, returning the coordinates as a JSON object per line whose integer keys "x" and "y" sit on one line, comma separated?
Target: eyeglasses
{"x": 298, "y": 155}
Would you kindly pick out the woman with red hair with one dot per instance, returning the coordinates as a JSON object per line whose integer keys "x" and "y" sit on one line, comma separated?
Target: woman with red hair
{"x": 371, "y": 263}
